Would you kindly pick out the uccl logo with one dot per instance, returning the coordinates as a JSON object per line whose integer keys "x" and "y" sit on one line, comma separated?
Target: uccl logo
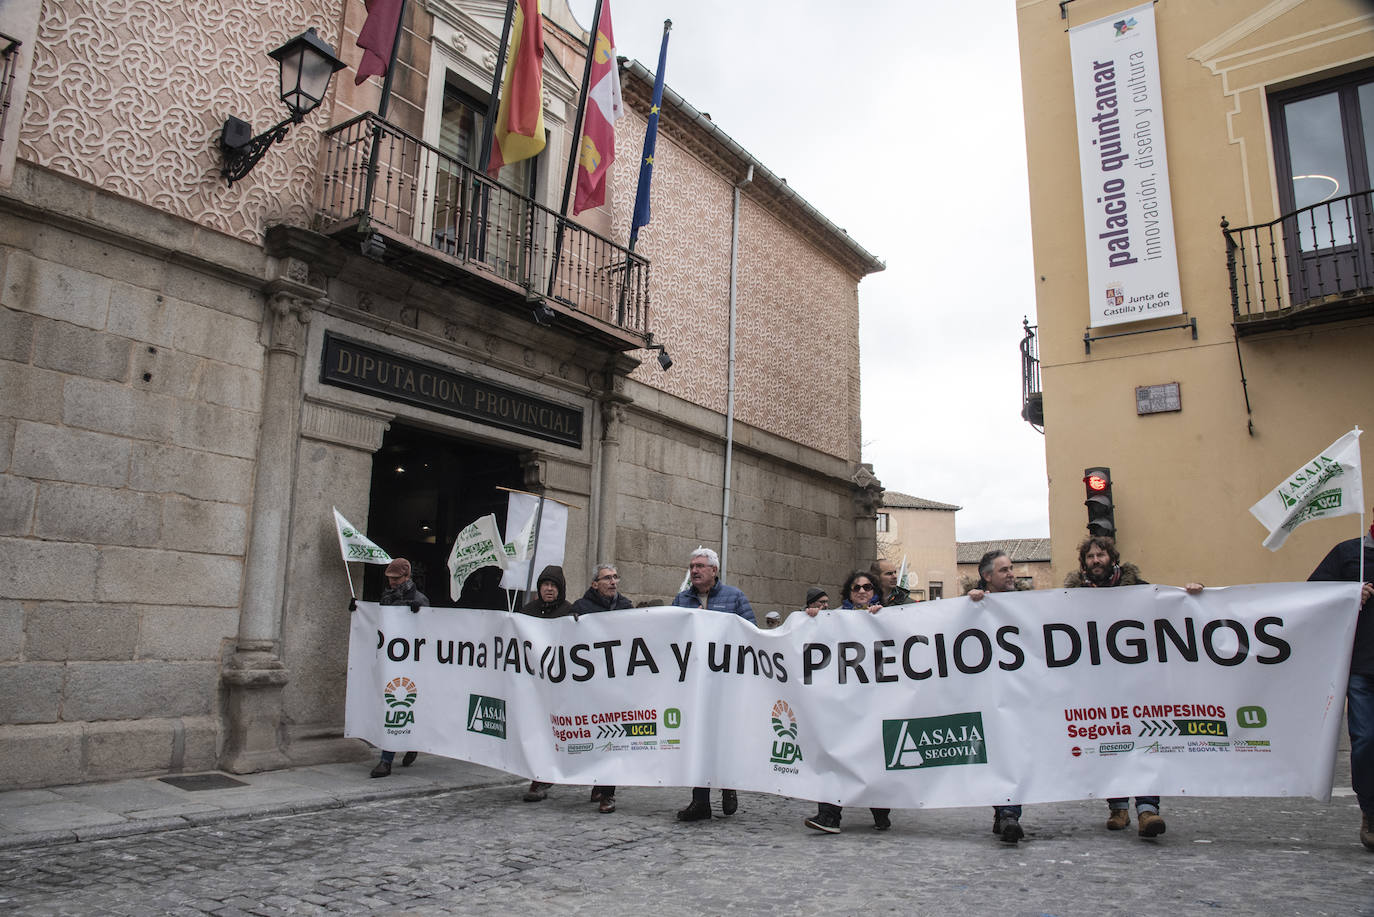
{"x": 934, "y": 741}
{"x": 487, "y": 715}
{"x": 399, "y": 694}
{"x": 786, "y": 749}
{"x": 1251, "y": 717}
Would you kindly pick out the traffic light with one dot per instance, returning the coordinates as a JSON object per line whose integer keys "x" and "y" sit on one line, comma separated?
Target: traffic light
{"x": 1097, "y": 482}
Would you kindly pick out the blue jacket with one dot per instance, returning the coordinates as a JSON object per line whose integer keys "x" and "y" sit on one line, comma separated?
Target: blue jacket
{"x": 720, "y": 598}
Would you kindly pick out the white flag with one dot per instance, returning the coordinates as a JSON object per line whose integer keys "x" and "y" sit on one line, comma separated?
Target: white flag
{"x": 687, "y": 577}
{"x": 355, "y": 545}
{"x": 521, "y": 546}
{"x": 553, "y": 532}
{"x": 1329, "y": 485}
{"x": 479, "y": 545}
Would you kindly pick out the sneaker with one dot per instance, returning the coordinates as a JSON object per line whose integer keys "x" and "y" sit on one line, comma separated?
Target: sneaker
{"x": 383, "y": 769}
{"x": 1119, "y": 819}
{"x": 607, "y": 805}
{"x": 826, "y": 822}
{"x": 1149, "y": 824}
{"x": 881, "y": 821}
{"x": 408, "y": 759}
{"x": 1366, "y": 835}
{"x": 1011, "y": 830}
{"x": 537, "y": 792}
{"x": 695, "y": 811}
{"x": 729, "y": 802}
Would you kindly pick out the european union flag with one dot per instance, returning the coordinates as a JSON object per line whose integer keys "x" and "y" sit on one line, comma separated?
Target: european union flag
{"x": 646, "y": 164}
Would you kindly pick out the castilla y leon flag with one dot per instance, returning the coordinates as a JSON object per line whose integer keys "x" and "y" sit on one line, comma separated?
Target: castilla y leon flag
{"x": 604, "y": 108}
{"x": 1329, "y": 485}
{"x": 519, "y": 132}
{"x": 377, "y": 37}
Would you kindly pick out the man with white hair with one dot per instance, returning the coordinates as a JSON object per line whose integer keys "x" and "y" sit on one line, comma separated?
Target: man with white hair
{"x": 707, "y": 592}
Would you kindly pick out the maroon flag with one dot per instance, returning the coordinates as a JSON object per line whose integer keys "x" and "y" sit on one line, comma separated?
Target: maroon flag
{"x": 378, "y": 37}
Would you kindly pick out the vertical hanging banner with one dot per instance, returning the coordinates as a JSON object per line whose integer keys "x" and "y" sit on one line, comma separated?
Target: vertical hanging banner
{"x": 1128, "y": 217}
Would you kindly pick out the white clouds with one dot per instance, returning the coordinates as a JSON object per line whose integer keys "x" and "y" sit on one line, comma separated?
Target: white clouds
{"x": 902, "y": 123}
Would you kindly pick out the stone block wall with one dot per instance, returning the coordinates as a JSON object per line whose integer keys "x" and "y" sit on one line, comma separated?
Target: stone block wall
{"x": 132, "y": 385}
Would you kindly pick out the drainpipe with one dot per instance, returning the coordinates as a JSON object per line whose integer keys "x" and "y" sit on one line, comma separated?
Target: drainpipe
{"x": 730, "y": 379}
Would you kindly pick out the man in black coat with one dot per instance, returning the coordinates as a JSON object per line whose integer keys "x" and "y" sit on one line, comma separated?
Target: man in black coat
{"x": 602, "y": 595}
{"x": 1342, "y": 564}
{"x": 400, "y": 590}
{"x": 551, "y": 600}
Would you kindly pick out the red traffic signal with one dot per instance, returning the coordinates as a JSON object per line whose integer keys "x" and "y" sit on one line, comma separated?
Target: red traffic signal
{"x": 1097, "y": 484}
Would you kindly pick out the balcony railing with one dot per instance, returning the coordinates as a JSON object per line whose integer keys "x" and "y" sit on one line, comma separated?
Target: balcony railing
{"x": 400, "y": 193}
{"x": 9, "y": 59}
{"x": 1312, "y": 265}
{"x": 1032, "y": 400}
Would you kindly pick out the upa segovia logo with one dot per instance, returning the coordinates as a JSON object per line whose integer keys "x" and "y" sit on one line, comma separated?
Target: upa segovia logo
{"x": 934, "y": 741}
{"x": 786, "y": 749}
{"x": 399, "y": 694}
{"x": 487, "y": 715}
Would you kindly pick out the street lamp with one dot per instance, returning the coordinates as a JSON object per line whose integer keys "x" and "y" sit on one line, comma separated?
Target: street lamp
{"x": 307, "y": 63}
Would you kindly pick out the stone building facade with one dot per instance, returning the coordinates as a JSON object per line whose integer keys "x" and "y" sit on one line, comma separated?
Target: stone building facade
{"x": 179, "y": 415}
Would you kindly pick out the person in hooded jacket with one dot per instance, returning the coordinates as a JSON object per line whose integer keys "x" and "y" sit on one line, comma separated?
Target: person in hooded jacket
{"x": 550, "y": 601}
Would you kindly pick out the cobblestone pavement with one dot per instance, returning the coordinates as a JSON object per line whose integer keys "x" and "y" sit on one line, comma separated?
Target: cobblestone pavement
{"x": 485, "y": 851}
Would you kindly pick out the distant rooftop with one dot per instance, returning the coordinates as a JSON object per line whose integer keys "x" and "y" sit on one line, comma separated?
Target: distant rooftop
{"x": 1020, "y": 550}
{"x": 895, "y": 500}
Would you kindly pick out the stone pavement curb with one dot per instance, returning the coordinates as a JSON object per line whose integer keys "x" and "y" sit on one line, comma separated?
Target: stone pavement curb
{"x": 88, "y": 812}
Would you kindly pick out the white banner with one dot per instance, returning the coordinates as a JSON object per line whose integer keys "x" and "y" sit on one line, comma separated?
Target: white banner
{"x": 1128, "y": 216}
{"x": 553, "y": 530}
{"x": 1329, "y": 485}
{"x": 477, "y": 546}
{"x": 355, "y": 545}
{"x": 1023, "y": 697}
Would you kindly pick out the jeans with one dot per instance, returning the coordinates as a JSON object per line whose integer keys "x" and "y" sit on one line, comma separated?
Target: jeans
{"x": 1359, "y": 699}
{"x": 1142, "y": 803}
{"x": 388, "y": 757}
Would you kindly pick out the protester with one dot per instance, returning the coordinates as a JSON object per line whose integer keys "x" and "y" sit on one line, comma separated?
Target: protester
{"x": 816, "y": 598}
{"x": 602, "y": 595}
{"x": 884, "y": 573}
{"x": 1100, "y": 567}
{"x": 1342, "y": 564}
{"x": 706, "y": 591}
{"x": 859, "y": 594}
{"x": 772, "y": 619}
{"x": 995, "y": 574}
{"x": 400, "y": 590}
{"x": 549, "y": 602}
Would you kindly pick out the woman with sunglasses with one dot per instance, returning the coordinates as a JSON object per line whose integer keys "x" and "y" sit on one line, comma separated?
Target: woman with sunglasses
{"x": 860, "y": 593}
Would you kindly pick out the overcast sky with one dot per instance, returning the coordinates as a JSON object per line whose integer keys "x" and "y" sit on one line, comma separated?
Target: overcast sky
{"x": 900, "y": 121}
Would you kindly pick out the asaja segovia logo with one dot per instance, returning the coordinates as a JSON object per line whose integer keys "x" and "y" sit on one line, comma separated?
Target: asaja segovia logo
{"x": 934, "y": 741}
{"x": 400, "y": 694}
{"x": 487, "y": 715}
{"x": 786, "y": 749}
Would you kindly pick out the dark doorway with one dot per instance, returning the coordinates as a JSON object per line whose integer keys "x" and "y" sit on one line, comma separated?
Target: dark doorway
{"x": 425, "y": 489}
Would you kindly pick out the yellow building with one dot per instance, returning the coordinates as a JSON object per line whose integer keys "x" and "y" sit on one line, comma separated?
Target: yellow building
{"x": 922, "y": 532}
{"x": 1199, "y": 394}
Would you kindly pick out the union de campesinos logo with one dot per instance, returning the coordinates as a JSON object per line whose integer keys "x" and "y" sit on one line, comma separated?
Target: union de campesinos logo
{"x": 400, "y": 694}
{"x": 487, "y": 715}
{"x": 786, "y": 748}
{"x": 934, "y": 741}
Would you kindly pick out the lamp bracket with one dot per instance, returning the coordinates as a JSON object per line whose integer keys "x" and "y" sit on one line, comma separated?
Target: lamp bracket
{"x": 240, "y": 156}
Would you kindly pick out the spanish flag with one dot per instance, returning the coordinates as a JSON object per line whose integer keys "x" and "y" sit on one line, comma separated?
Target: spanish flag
{"x": 604, "y": 108}
{"x": 519, "y": 132}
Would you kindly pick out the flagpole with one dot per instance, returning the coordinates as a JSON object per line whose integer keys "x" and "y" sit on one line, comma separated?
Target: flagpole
{"x": 349, "y": 573}
{"x": 576, "y": 147}
{"x": 490, "y": 122}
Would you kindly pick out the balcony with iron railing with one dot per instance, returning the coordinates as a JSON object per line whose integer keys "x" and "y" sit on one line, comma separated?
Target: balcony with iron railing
{"x": 1308, "y": 267}
{"x": 409, "y": 205}
{"x": 1032, "y": 399}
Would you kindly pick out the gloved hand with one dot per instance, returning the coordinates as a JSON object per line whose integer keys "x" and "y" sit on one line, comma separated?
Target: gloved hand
{"x": 353, "y": 604}
{"x": 414, "y": 608}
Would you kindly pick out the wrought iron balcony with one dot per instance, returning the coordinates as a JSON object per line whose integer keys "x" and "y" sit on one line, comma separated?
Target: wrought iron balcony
{"x": 1032, "y": 399}
{"x": 1307, "y": 267}
{"x": 408, "y": 204}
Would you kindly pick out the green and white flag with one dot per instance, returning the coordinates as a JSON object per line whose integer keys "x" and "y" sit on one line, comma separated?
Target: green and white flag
{"x": 479, "y": 545}
{"x": 355, "y": 545}
{"x": 903, "y": 577}
{"x": 1329, "y": 485}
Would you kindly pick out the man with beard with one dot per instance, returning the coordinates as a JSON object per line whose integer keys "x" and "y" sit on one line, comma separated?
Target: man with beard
{"x": 1100, "y": 567}
{"x": 884, "y": 573}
